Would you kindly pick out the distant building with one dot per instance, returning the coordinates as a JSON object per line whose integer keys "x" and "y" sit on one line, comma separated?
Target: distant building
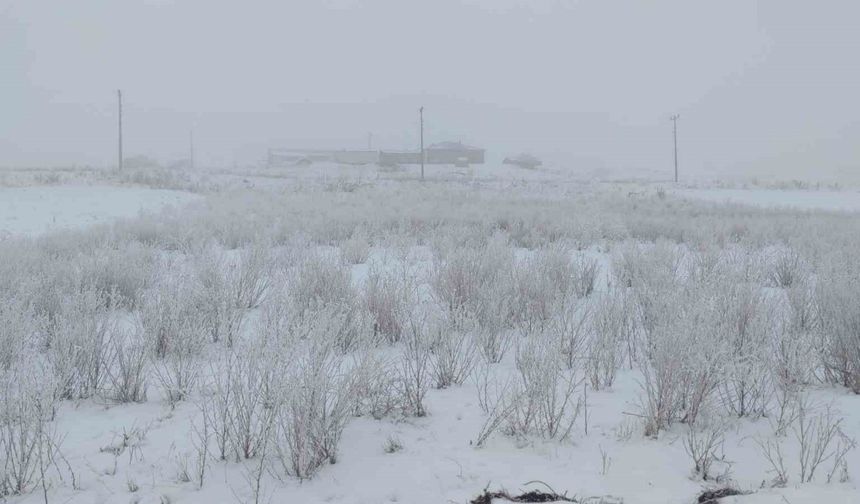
{"x": 280, "y": 158}
{"x": 453, "y": 153}
{"x": 389, "y": 158}
{"x": 355, "y": 157}
{"x": 292, "y": 157}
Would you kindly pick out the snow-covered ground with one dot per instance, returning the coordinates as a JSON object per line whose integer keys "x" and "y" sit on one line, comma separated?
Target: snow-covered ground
{"x": 146, "y": 452}
{"x": 843, "y": 201}
{"x": 35, "y": 210}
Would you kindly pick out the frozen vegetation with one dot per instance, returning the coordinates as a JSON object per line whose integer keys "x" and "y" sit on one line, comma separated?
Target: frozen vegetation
{"x": 366, "y": 337}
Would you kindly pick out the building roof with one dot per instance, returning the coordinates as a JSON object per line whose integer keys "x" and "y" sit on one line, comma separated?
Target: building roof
{"x": 453, "y": 146}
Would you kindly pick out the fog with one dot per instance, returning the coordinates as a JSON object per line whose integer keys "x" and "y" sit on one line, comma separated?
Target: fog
{"x": 762, "y": 87}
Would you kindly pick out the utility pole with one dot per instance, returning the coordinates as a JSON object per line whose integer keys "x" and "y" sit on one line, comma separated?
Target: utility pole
{"x": 191, "y": 147}
{"x": 674, "y": 120}
{"x": 119, "y": 150}
{"x": 370, "y": 141}
{"x": 421, "y": 118}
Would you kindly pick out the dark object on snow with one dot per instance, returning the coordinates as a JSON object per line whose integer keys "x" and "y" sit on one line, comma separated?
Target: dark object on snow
{"x": 523, "y": 161}
{"x": 713, "y": 496}
{"x": 533, "y": 496}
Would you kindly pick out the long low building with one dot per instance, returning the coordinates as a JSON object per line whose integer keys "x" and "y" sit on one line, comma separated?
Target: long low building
{"x": 456, "y": 153}
{"x": 391, "y": 158}
{"x": 291, "y": 157}
{"x": 453, "y": 153}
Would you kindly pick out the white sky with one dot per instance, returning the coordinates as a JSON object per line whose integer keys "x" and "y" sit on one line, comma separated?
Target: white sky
{"x": 760, "y": 85}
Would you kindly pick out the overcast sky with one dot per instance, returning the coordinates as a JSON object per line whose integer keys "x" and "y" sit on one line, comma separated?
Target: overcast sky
{"x": 760, "y": 85}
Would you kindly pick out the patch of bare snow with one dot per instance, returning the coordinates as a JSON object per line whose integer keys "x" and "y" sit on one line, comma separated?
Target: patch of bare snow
{"x": 31, "y": 211}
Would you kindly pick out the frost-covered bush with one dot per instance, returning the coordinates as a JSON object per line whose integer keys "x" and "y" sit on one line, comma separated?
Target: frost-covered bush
{"x": 540, "y": 283}
{"x": 743, "y": 324}
{"x": 460, "y": 276}
{"x": 792, "y": 340}
{"x": 491, "y": 333}
{"x": 801, "y": 300}
{"x": 252, "y": 276}
{"x": 178, "y": 373}
{"x": 612, "y": 330}
{"x": 356, "y": 249}
{"x": 170, "y": 313}
{"x": 319, "y": 398}
{"x": 28, "y": 437}
{"x": 415, "y": 367}
{"x": 255, "y": 393}
{"x": 701, "y": 443}
{"x": 128, "y": 368}
{"x": 79, "y": 345}
{"x": 213, "y": 294}
{"x": 318, "y": 281}
{"x": 276, "y": 318}
{"x": 240, "y": 398}
{"x": 47, "y": 290}
{"x": 570, "y": 327}
{"x": 543, "y": 399}
{"x": 453, "y": 354}
{"x": 388, "y": 298}
{"x": 376, "y": 386}
{"x": 786, "y": 269}
{"x": 654, "y": 275}
{"x": 585, "y": 276}
{"x": 838, "y": 329}
{"x": 345, "y": 326}
{"x": 18, "y": 329}
{"x": 546, "y": 281}
{"x": 119, "y": 273}
{"x": 819, "y": 443}
{"x": 179, "y": 369}
{"x": 706, "y": 264}
{"x": 681, "y": 364}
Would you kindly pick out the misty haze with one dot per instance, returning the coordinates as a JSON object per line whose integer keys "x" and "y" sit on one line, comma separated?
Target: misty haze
{"x": 450, "y": 251}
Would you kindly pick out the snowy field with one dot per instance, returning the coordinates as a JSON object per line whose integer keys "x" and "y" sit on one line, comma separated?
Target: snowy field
{"x": 836, "y": 201}
{"x": 37, "y": 210}
{"x": 356, "y": 336}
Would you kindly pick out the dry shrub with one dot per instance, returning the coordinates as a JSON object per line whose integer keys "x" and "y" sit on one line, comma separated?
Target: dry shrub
{"x": 460, "y": 275}
{"x": 320, "y": 397}
{"x": 838, "y": 330}
{"x": 318, "y": 281}
{"x": 80, "y": 345}
{"x": 453, "y": 354}
{"x": 681, "y": 363}
{"x": 542, "y": 400}
{"x": 28, "y": 438}
{"x": 356, "y": 249}
{"x": 388, "y": 298}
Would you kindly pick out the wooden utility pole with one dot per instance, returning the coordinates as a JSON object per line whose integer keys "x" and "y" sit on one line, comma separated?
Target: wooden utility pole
{"x": 674, "y": 119}
{"x": 370, "y": 141}
{"x": 191, "y": 147}
{"x": 421, "y": 118}
{"x": 119, "y": 149}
